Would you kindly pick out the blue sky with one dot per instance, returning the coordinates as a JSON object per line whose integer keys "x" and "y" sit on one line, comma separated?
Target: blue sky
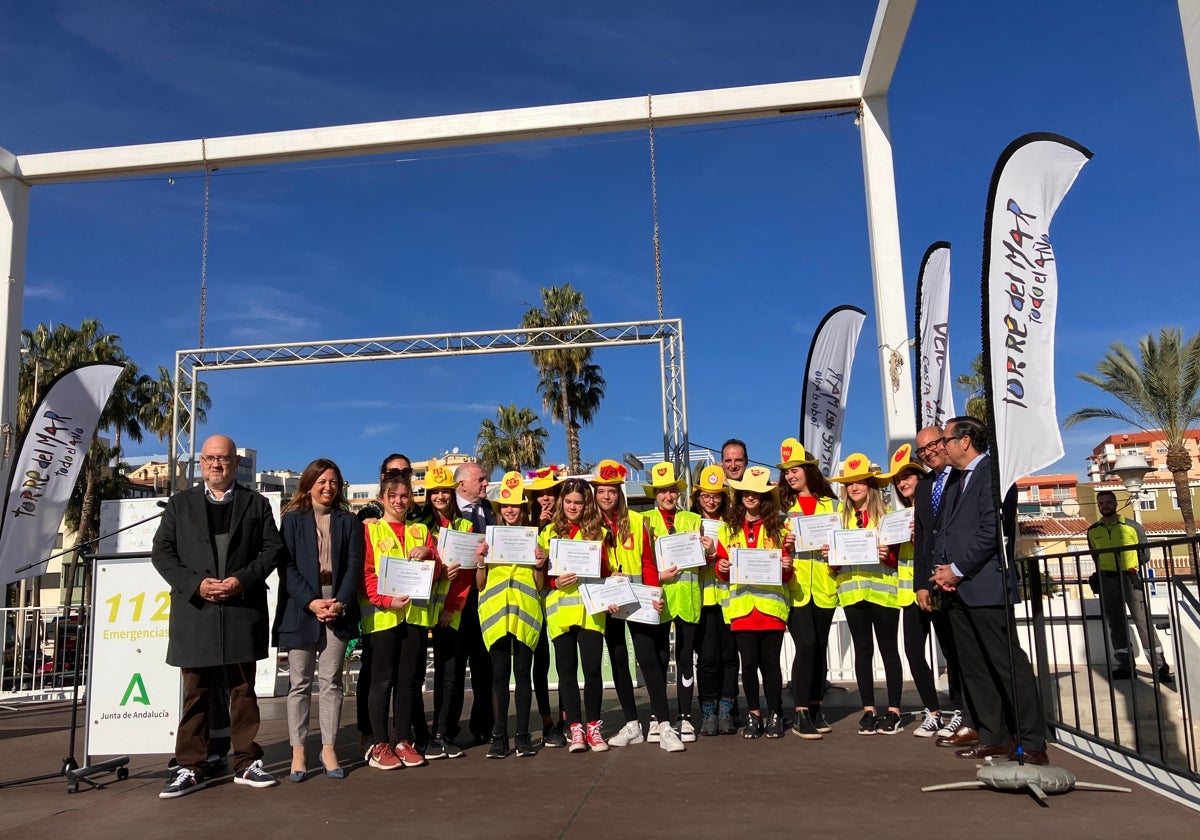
{"x": 763, "y": 224}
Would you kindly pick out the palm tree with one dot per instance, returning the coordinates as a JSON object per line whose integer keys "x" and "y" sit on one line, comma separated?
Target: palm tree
{"x": 515, "y": 441}
{"x": 585, "y": 391}
{"x": 974, "y": 385}
{"x": 562, "y": 306}
{"x": 1161, "y": 392}
{"x": 159, "y": 402}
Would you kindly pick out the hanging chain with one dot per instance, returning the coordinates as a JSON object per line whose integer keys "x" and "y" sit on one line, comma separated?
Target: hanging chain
{"x": 654, "y": 206}
{"x": 204, "y": 241}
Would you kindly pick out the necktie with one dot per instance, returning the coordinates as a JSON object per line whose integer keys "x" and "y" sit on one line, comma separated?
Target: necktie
{"x": 938, "y": 486}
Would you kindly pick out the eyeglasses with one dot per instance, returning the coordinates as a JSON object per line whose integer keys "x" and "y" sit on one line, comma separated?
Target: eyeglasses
{"x": 396, "y": 472}
{"x": 223, "y": 460}
{"x": 929, "y": 447}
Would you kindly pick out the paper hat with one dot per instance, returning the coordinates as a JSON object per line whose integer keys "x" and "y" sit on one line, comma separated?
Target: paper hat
{"x": 712, "y": 480}
{"x": 545, "y": 478}
{"x": 662, "y": 476}
{"x": 438, "y": 477}
{"x": 857, "y": 467}
{"x": 755, "y": 479}
{"x": 792, "y": 454}
{"x": 903, "y": 460}
{"x": 512, "y": 491}
{"x": 609, "y": 471}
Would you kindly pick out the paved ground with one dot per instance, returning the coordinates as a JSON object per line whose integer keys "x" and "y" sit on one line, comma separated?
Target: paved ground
{"x": 721, "y": 787}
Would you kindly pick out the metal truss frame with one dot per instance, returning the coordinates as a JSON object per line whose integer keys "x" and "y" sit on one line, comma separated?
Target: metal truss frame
{"x": 667, "y": 334}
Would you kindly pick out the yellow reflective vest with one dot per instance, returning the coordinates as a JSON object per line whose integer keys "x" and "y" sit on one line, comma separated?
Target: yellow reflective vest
{"x": 744, "y": 598}
{"x": 625, "y": 558}
{"x": 441, "y": 588}
{"x": 510, "y": 604}
{"x": 564, "y": 605}
{"x": 682, "y": 595}
{"x": 1114, "y": 544}
{"x": 812, "y": 578}
{"x": 714, "y": 592}
{"x": 383, "y": 541}
{"x": 873, "y": 582}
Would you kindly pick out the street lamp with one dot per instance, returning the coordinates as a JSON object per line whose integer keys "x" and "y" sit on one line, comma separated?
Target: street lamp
{"x": 1131, "y": 470}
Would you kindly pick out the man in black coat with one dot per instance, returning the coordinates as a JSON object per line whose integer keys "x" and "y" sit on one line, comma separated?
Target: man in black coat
{"x": 972, "y": 571}
{"x": 216, "y": 546}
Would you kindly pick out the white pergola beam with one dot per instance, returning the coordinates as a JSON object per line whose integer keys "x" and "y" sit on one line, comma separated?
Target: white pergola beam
{"x": 1189, "y": 19}
{"x": 892, "y": 18}
{"x": 611, "y": 115}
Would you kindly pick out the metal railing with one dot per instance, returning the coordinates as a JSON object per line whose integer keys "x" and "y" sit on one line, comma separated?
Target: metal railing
{"x": 45, "y": 648}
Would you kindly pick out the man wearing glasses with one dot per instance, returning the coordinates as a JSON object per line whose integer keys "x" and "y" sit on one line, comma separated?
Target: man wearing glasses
{"x": 216, "y": 546}
{"x": 959, "y": 730}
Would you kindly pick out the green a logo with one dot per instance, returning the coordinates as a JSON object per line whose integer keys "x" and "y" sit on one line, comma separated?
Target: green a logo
{"x": 141, "y": 697}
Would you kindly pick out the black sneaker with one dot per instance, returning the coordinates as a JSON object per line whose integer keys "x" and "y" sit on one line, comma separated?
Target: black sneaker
{"x": 181, "y": 784}
{"x": 867, "y": 723}
{"x": 819, "y": 721}
{"x": 709, "y": 726}
{"x": 889, "y": 724}
{"x": 1165, "y": 675}
{"x": 525, "y": 745}
{"x": 499, "y": 747}
{"x": 552, "y": 736}
{"x": 774, "y": 728}
{"x": 435, "y": 749}
{"x": 804, "y": 727}
{"x": 754, "y": 727}
{"x": 725, "y": 721}
{"x": 255, "y": 776}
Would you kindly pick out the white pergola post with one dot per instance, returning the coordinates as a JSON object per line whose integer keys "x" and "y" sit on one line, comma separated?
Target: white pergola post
{"x": 14, "y": 223}
{"x": 883, "y": 223}
{"x": 1189, "y": 19}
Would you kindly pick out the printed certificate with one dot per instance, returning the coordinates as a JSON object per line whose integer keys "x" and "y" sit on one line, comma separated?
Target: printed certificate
{"x": 643, "y": 611}
{"x": 598, "y": 597}
{"x": 399, "y": 577}
{"x": 850, "y": 547}
{"x": 512, "y": 544}
{"x": 582, "y": 557}
{"x": 710, "y": 528}
{"x": 682, "y": 550}
{"x": 896, "y": 527}
{"x": 762, "y": 566}
{"x": 812, "y": 532}
{"x": 459, "y": 547}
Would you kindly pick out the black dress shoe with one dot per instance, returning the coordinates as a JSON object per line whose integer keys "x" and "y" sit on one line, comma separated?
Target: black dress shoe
{"x": 984, "y": 751}
{"x": 1037, "y": 757}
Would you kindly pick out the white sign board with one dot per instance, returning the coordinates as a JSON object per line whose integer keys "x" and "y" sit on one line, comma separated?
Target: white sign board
{"x": 133, "y": 694}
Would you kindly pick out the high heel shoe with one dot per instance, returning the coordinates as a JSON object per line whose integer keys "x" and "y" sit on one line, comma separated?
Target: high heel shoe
{"x": 334, "y": 772}
{"x": 298, "y": 775}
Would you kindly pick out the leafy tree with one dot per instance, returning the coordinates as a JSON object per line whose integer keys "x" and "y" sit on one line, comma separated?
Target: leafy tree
{"x": 515, "y": 441}
{"x": 973, "y": 385}
{"x": 1161, "y": 391}
{"x": 158, "y": 404}
{"x": 565, "y": 374}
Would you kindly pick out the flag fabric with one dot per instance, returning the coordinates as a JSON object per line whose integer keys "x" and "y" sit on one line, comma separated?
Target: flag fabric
{"x": 827, "y": 385}
{"x": 1020, "y": 300}
{"x": 48, "y": 463}
{"x": 935, "y": 386}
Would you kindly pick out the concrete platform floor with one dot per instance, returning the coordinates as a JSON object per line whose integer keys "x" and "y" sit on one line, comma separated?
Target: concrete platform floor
{"x": 727, "y": 787}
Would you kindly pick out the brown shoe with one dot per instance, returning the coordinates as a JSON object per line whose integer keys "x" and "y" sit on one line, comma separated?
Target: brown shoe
{"x": 1037, "y": 757}
{"x": 965, "y": 736}
{"x": 984, "y": 751}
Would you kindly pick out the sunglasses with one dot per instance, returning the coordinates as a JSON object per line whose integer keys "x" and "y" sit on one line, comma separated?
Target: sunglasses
{"x": 394, "y": 473}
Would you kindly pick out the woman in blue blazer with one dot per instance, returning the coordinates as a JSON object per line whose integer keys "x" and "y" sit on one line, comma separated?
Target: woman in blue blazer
{"x": 323, "y": 567}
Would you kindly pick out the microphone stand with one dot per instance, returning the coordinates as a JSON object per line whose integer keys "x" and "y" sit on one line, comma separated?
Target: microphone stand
{"x": 70, "y": 769}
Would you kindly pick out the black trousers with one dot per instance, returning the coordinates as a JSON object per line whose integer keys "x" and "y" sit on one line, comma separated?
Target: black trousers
{"x": 685, "y": 654}
{"x": 572, "y": 648}
{"x": 397, "y": 663}
{"x": 916, "y": 623}
{"x": 1006, "y": 703}
{"x": 717, "y": 659}
{"x": 511, "y": 656}
{"x": 445, "y": 677}
{"x": 866, "y": 620}
{"x": 809, "y": 628}
{"x": 652, "y": 647}
{"x": 541, "y": 674}
{"x": 617, "y": 643}
{"x": 472, "y": 651}
{"x": 760, "y": 651}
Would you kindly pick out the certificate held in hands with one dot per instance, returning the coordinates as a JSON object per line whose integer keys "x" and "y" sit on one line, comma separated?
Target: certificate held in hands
{"x": 579, "y": 557}
{"x": 643, "y": 611}
{"x": 854, "y": 547}
{"x": 896, "y": 527}
{"x": 682, "y": 550}
{"x": 812, "y": 532}
{"x": 459, "y": 547}
{"x": 512, "y": 544}
{"x": 762, "y": 566}
{"x": 598, "y": 597}
{"x": 399, "y": 577}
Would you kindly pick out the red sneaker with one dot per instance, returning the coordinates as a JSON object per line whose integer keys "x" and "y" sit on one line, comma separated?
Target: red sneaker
{"x": 594, "y": 739}
{"x": 577, "y": 743}
{"x": 383, "y": 757}
{"x": 408, "y": 756}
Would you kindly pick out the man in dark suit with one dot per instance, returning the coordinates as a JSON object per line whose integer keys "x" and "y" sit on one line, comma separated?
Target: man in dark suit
{"x": 928, "y": 507}
{"x": 972, "y": 571}
{"x": 216, "y": 546}
{"x": 472, "y": 485}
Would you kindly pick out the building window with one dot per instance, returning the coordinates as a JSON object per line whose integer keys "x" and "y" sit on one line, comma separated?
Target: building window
{"x": 1148, "y": 502}
{"x": 1161, "y": 449}
{"x": 1061, "y": 493}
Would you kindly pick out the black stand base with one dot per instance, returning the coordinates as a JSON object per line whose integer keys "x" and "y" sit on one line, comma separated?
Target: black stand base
{"x": 74, "y": 774}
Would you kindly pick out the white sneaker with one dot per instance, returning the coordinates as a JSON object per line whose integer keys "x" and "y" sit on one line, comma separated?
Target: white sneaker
{"x": 929, "y": 726}
{"x": 255, "y": 776}
{"x": 652, "y": 730}
{"x": 630, "y": 733}
{"x": 952, "y": 725}
{"x": 669, "y": 741}
{"x": 687, "y": 732}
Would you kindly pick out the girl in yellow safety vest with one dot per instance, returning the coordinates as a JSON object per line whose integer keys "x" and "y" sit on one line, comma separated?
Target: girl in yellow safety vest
{"x": 905, "y": 474}
{"x": 681, "y": 590}
{"x": 510, "y": 619}
{"x": 867, "y": 594}
{"x": 716, "y": 651}
{"x": 398, "y": 624}
{"x": 804, "y": 491}
{"x": 542, "y": 489}
{"x": 757, "y": 612}
{"x": 577, "y": 635}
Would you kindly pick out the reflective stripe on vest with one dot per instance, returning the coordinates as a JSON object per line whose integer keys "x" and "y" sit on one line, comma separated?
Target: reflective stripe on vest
{"x": 421, "y": 613}
{"x": 904, "y": 576}
{"x": 510, "y": 604}
{"x": 744, "y": 598}
{"x": 682, "y": 595}
{"x": 811, "y": 578}
{"x": 872, "y": 582}
{"x": 626, "y": 558}
{"x": 564, "y": 607}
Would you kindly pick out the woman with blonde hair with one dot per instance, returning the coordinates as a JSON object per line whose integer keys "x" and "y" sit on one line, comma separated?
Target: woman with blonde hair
{"x": 323, "y": 566}
{"x": 716, "y": 650}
